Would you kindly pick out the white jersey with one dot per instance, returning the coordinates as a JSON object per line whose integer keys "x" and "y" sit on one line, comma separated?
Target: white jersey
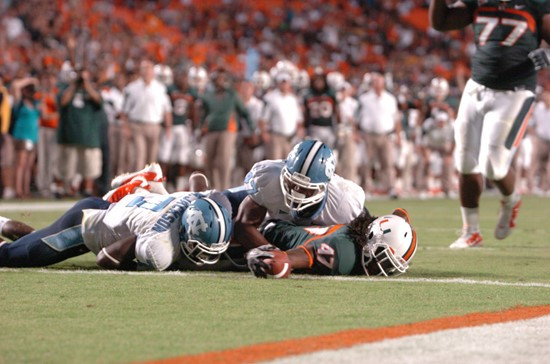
{"x": 154, "y": 219}
{"x": 344, "y": 202}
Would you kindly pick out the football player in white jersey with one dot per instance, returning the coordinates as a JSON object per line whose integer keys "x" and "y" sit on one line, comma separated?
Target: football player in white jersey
{"x": 302, "y": 189}
{"x": 148, "y": 228}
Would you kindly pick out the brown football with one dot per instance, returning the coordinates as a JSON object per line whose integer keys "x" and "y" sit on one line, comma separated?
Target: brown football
{"x": 280, "y": 266}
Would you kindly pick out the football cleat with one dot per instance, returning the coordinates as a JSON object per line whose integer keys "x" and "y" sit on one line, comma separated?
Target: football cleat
{"x": 507, "y": 218}
{"x": 128, "y": 188}
{"x": 468, "y": 240}
{"x": 152, "y": 173}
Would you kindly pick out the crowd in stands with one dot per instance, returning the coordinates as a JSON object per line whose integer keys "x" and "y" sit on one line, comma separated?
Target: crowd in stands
{"x": 90, "y": 89}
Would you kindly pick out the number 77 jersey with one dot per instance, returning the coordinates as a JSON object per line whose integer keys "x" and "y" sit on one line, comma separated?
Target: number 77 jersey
{"x": 505, "y": 33}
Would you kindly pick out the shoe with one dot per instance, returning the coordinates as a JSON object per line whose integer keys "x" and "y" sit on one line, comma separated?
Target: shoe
{"x": 467, "y": 240}
{"x": 117, "y": 194}
{"x": 152, "y": 173}
{"x": 507, "y": 218}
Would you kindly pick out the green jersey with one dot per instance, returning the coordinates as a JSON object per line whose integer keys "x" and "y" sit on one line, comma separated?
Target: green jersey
{"x": 182, "y": 106}
{"x": 330, "y": 249}
{"x": 504, "y": 35}
{"x": 80, "y": 121}
{"x": 320, "y": 108}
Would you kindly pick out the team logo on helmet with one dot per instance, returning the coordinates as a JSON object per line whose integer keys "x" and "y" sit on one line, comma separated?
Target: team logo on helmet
{"x": 195, "y": 221}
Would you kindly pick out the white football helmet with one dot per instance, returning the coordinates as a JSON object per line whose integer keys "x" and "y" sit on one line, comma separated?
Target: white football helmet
{"x": 335, "y": 80}
{"x": 391, "y": 244}
{"x": 197, "y": 77}
{"x": 163, "y": 74}
{"x": 261, "y": 80}
{"x": 439, "y": 88}
{"x": 284, "y": 66}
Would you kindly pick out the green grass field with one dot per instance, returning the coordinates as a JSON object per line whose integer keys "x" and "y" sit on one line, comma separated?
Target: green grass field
{"x": 88, "y": 317}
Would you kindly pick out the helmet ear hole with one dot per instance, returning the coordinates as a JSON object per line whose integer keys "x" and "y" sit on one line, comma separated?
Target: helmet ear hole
{"x": 371, "y": 235}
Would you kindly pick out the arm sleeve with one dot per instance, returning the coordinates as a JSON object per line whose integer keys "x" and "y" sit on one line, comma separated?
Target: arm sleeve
{"x": 157, "y": 250}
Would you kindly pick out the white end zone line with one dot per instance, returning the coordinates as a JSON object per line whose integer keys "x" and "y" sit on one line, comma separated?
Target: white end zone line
{"x": 238, "y": 275}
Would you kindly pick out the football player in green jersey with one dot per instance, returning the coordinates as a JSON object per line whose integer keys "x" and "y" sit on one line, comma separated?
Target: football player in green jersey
{"x": 497, "y": 99}
{"x": 368, "y": 245}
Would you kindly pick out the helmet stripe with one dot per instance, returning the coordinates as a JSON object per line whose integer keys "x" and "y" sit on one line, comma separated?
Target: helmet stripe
{"x": 310, "y": 157}
{"x": 219, "y": 214}
{"x": 412, "y": 249}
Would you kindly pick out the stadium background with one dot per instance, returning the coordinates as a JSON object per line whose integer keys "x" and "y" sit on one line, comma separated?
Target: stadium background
{"x": 84, "y": 316}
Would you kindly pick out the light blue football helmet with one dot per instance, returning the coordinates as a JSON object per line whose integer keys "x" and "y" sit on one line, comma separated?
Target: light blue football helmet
{"x": 305, "y": 177}
{"x": 205, "y": 232}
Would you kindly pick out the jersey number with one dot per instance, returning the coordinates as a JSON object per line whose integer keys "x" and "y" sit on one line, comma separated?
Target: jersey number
{"x": 325, "y": 255}
{"x": 156, "y": 205}
{"x": 320, "y": 109}
{"x": 519, "y": 27}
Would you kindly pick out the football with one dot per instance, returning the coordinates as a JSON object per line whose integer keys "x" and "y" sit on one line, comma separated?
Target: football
{"x": 279, "y": 266}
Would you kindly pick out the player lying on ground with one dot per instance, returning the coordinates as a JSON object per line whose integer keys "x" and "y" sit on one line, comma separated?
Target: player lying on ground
{"x": 302, "y": 189}
{"x": 368, "y": 245}
{"x": 151, "y": 228}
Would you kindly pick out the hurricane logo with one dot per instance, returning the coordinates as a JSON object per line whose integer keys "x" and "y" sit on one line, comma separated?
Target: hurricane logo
{"x": 330, "y": 166}
{"x": 195, "y": 221}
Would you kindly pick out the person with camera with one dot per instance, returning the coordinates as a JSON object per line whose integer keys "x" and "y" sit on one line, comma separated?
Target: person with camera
{"x": 80, "y": 116}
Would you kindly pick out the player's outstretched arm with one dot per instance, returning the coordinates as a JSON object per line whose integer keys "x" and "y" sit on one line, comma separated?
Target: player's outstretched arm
{"x": 445, "y": 17}
{"x": 249, "y": 218}
{"x": 119, "y": 255}
{"x": 268, "y": 261}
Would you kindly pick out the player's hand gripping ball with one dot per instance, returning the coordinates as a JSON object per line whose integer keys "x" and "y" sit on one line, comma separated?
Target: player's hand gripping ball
{"x": 268, "y": 262}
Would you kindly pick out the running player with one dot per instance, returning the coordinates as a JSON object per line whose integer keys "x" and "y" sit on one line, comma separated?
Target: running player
{"x": 497, "y": 100}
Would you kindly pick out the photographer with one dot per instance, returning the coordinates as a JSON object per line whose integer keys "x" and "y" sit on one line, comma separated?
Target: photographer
{"x": 78, "y": 134}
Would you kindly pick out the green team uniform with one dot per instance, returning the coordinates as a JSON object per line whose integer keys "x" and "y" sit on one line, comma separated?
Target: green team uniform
{"x": 320, "y": 108}
{"x": 334, "y": 252}
{"x": 182, "y": 103}
{"x": 504, "y": 37}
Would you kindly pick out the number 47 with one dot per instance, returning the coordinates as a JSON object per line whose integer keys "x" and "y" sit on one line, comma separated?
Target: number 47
{"x": 520, "y": 26}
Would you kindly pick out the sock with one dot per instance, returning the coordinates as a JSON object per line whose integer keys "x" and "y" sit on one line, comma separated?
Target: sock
{"x": 470, "y": 219}
{"x": 510, "y": 199}
{"x": 3, "y": 220}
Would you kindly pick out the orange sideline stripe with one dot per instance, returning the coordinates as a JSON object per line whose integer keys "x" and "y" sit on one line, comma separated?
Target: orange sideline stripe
{"x": 343, "y": 339}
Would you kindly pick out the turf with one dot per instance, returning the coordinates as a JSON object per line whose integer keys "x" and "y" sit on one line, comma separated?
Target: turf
{"x": 90, "y": 317}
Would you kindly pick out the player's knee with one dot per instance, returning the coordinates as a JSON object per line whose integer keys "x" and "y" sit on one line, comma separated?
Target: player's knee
{"x": 465, "y": 162}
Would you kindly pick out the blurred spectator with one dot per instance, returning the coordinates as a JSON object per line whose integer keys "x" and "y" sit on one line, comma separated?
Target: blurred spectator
{"x": 24, "y": 129}
{"x": 6, "y": 144}
{"x": 439, "y": 140}
{"x": 47, "y": 135}
{"x": 79, "y": 132}
{"x": 221, "y": 109}
{"x": 541, "y": 128}
{"x": 321, "y": 111}
{"x": 146, "y": 107}
{"x": 282, "y": 119}
{"x": 176, "y": 151}
{"x": 247, "y": 141}
{"x": 348, "y": 160}
{"x": 113, "y": 100}
{"x": 379, "y": 119}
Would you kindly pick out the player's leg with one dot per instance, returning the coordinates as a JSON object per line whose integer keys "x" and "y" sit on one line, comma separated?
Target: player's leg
{"x": 13, "y": 229}
{"x": 55, "y": 243}
{"x": 504, "y": 128}
{"x": 468, "y": 127}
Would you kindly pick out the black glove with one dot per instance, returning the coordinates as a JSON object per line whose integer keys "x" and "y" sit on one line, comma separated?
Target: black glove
{"x": 255, "y": 259}
{"x": 540, "y": 58}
